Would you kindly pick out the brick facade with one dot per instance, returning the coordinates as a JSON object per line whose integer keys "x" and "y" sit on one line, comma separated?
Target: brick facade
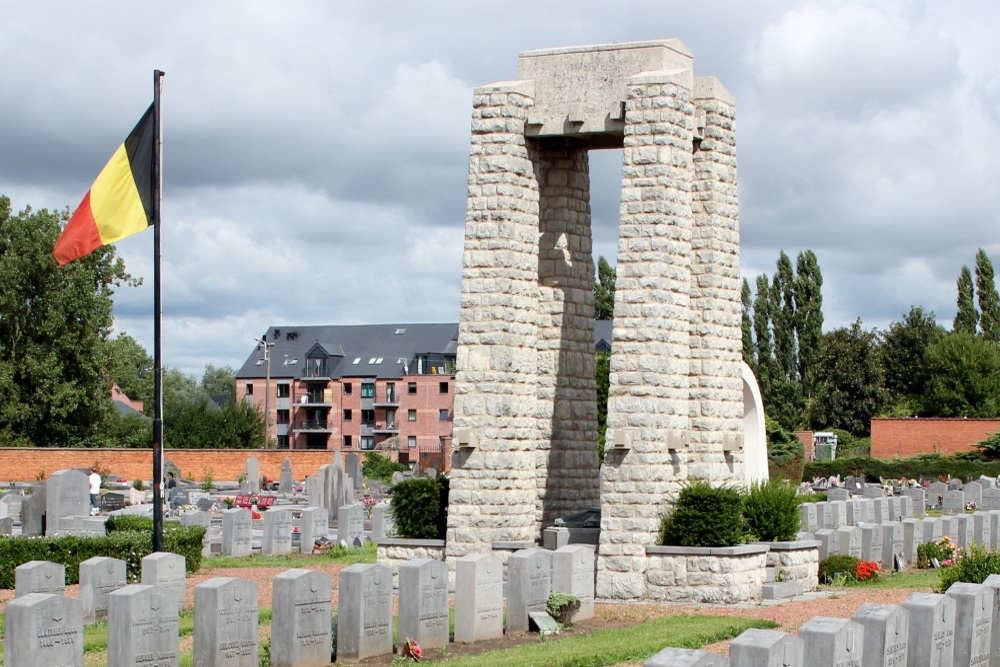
{"x": 906, "y": 437}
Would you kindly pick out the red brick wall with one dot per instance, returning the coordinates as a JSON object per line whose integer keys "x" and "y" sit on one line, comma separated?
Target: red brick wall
{"x": 25, "y": 464}
{"x": 906, "y": 437}
{"x": 806, "y": 438}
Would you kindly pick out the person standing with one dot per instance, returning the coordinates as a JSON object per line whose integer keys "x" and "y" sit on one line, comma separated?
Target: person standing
{"x": 95, "y": 491}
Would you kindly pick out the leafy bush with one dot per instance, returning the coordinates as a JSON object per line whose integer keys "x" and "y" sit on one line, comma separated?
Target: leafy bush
{"x": 126, "y": 523}
{"x": 562, "y": 606}
{"x": 70, "y": 551}
{"x": 837, "y": 566}
{"x": 420, "y": 507}
{"x": 973, "y": 566}
{"x": 990, "y": 447}
{"x": 705, "y": 516}
{"x": 944, "y": 550}
{"x": 379, "y": 466}
{"x": 785, "y": 454}
{"x": 771, "y": 511}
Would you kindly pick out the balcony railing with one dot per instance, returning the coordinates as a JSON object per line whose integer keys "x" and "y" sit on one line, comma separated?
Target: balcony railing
{"x": 386, "y": 427}
{"x": 312, "y": 399}
{"x": 317, "y": 369}
{"x": 387, "y": 398}
{"x": 313, "y": 425}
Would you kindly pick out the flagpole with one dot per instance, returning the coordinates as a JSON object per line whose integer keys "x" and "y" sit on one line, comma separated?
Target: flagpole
{"x": 157, "y": 177}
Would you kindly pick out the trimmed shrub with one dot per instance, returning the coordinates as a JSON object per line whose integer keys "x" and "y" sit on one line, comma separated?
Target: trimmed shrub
{"x": 379, "y": 466}
{"x": 420, "y": 507}
{"x": 705, "y": 516}
{"x": 771, "y": 511}
{"x": 838, "y": 565}
{"x": 126, "y": 523}
{"x": 973, "y": 566}
{"x": 70, "y": 551}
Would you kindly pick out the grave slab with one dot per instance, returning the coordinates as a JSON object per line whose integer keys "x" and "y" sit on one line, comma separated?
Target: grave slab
{"x": 300, "y": 625}
{"x": 478, "y": 598}
{"x": 364, "y": 626}
{"x": 931, "y": 642}
{"x": 99, "y": 577}
{"x": 43, "y": 629}
{"x": 225, "y": 631}
{"x": 142, "y": 627}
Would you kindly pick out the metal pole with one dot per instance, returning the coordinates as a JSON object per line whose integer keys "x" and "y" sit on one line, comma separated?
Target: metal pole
{"x": 157, "y": 177}
{"x": 267, "y": 395}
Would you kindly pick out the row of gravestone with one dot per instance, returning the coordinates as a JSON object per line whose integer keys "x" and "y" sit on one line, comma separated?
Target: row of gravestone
{"x": 45, "y": 628}
{"x": 893, "y": 544}
{"x": 958, "y": 629}
{"x": 251, "y": 481}
{"x": 838, "y": 513}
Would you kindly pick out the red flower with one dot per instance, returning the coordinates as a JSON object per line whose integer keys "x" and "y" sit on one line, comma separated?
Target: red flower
{"x": 867, "y": 569}
{"x": 412, "y": 650}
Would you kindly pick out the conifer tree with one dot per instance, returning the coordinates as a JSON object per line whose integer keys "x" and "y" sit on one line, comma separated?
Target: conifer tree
{"x": 783, "y": 318}
{"x": 747, "y": 326}
{"x": 808, "y": 314}
{"x": 989, "y": 300}
{"x": 967, "y": 317}
{"x": 762, "y": 334}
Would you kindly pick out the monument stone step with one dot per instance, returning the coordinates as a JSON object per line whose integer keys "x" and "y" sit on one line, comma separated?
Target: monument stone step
{"x": 782, "y": 589}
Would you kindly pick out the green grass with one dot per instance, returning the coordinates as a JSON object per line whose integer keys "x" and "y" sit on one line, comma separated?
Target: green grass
{"x": 348, "y": 556}
{"x": 928, "y": 579}
{"x": 609, "y": 647}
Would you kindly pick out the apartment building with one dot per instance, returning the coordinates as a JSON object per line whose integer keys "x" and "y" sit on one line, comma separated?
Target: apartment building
{"x": 356, "y": 388}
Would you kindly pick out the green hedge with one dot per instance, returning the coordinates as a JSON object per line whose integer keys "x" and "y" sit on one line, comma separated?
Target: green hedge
{"x": 705, "y": 516}
{"x": 71, "y": 550}
{"x": 965, "y": 464}
{"x": 420, "y": 508}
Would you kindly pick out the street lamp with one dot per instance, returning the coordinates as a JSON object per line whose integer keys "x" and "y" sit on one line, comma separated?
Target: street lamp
{"x": 266, "y": 346}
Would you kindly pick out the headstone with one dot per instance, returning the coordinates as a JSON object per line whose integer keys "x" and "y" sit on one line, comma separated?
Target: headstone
{"x": 881, "y": 506}
{"x": 919, "y": 499}
{"x": 963, "y": 523}
{"x": 252, "y": 470}
{"x": 340, "y": 488}
{"x": 226, "y": 632}
{"x": 991, "y": 499}
{"x": 987, "y": 482}
{"x": 285, "y": 482}
{"x": 364, "y": 619}
{"x": 478, "y": 598}
{"x": 11, "y": 505}
{"x": 198, "y": 518}
{"x": 893, "y": 546}
{"x": 935, "y": 494}
{"x": 573, "y": 573}
{"x": 99, "y": 577}
{"x": 423, "y": 602}
{"x": 993, "y": 581}
{"x": 838, "y": 493}
{"x": 315, "y": 490}
{"x": 237, "y": 526}
{"x": 973, "y": 494}
{"x": 685, "y": 657}
{"x": 849, "y": 541}
{"x": 808, "y": 520}
{"x": 529, "y": 582}
{"x": 993, "y": 517}
{"x": 836, "y": 514}
{"x": 142, "y": 627}
{"x": 43, "y": 629}
{"x": 873, "y": 491}
{"x": 931, "y": 642}
{"x": 933, "y": 529}
{"x": 906, "y": 505}
{"x": 973, "y": 622}
{"x": 767, "y": 648}
{"x": 895, "y": 514}
{"x": 913, "y": 536}
{"x": 351, "y": 525}
{"x": 856, "y": 512}
{"x": 955, "y": 484}
{"x": 277, "y": 532}
{"x": 396, "y": 478}
{"x": 300, "y": 619}
{"x": 166, "y": 571}
{"x": 981, "y": 529}
{"x": 315, "y": 525}
{"x": 39, "y": 576}
{"x": 67, "y": 493}
{"x": 871, "y": 543}
{"x": 838, "y": 640}
{"x": 828, "y": 542}
{"x": 353, "y": 469}
{"x": 854, "y": 484}
{"x": 7, "y": 526}
{"x": 112, "y": 501}
{"x": 383, "y": 521}
{"x": 949, "y": 527}
{"x": 244, "y": 487}
{"x": 821, "y": 509}
{"x": 887, "y": 629}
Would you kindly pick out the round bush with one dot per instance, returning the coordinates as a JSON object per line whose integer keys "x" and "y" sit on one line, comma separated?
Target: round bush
{"x": 705, "y": 516}
{"x": 772, "y": 511}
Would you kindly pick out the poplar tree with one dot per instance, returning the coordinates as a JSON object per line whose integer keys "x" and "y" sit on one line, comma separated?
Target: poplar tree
{"x": 808, "y": 315}
{"x": 746, "y": 326}
{"x": 762, "y": 334}
{"x": 989, "y": 300}
{"x": 783, "y": 318}
{"x": 604, "y": 290}
{"x": 966, "y": 318}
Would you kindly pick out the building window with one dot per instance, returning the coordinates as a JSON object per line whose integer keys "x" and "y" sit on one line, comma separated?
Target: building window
{"x": 249, "y": 388}
{"x": 367, "y": 442}
{"x": 411, "y": 441}
{"x": 368, "y": 417}
{"x": 442, "y": 415}
{"x": 411, "y": 388}
{"x": 443, "y": 387}
{"x": 367, "y": 390}
{"x": 282, "y": 442}
{"x": 347, "y": 442}
{"x": 348, "y": 414}
{"x": 282, "y": 416}
{"x": 390, "y": 392}
{"x": 411, "y": 415}
{"x": 283, "y": 391}
{"x": 347, "y": 388}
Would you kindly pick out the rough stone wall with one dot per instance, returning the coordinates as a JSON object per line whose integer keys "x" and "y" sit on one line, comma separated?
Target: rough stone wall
{"x": 716, "y": 342}
{"x": 493, "y": 486}
{"x": 796, "y": 565}
{"x": 649, "y": 403}
{"x": 710, "y": 579}
{"x": 567, "y": 401}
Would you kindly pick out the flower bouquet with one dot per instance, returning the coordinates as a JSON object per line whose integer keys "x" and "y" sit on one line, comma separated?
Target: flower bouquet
{"x": 412, "y": 650}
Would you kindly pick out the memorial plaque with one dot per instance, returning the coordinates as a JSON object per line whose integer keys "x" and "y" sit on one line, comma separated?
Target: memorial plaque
{"x": 973, "y": 622}
{"x": 39, "y": 576}
{"x": 887, "y": 629}
{"x": 351, "y": 525}
{"x": 767, "y": 648}
{"x": 142, "y": 627}
{"x": 237, "y": 532}
{"x": 834, "y": 641}
{"x": 315, "y": 525}
{"x": 478, "y": 598}
{"x": 529, "y": 582}
{"x": 99, "y": 577}
{"x": 364, "y": 623}
{"x": 931, "y": 642}
{"x": 112, "y": 501}
{"x": 300, "y": 619}
{"x": 42, "y": 629}
{"x": 225, "y": 634}
{"x": 277, "y": 532}
{"x": 166, "y": 571}
{"x": 423, "y": 602}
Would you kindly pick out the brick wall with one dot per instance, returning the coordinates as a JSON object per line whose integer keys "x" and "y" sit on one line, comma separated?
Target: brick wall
{"x": 906, "y": 437}
{"x": 26, "y": 464}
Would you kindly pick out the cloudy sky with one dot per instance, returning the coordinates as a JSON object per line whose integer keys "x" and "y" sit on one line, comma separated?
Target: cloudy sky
{"x": 315, "y": 153}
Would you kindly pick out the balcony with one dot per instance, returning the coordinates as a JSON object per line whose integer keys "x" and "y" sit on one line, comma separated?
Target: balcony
{"x": 316, "y": 369}
{"x": 386, "y": 427}
{"x": 313, "y": 426}
{"x": 387, "y": 399}
{"x": 313, "y": 400}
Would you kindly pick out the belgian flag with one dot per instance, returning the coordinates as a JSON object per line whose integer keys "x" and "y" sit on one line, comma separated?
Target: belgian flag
{"x": 119, "y": 202}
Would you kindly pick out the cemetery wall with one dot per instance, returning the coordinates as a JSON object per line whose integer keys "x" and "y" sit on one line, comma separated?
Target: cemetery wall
{"x": 24, "y": 464}
{"x": 906, "y": 437}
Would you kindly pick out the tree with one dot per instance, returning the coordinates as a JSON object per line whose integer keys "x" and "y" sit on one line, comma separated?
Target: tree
{"x": 989, "y": 300}
{"x": 808, "y": 314}
{"x": 783, "y": 318}
{"x": 967, "y": 317}
{"x": 762, "y": 334}
{"x": 850, "y": 381}
{"x": 963, "y": 377}
{"x": 602, "y": 380}
{"x": 219, "y": 381}
{"x": 131, "y": 368}
{"x": 54, "y": 326}
{"x": 746, "y": 326}
{"x": 604, "y": 290}
{"x": 904, "y": 352}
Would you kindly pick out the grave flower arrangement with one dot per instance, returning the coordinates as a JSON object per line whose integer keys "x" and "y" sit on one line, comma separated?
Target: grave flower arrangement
{"x": 229, "y": 502}
{"x": 369, "y": 504}
{"x": 412, "y": 650}
{"x": 944, "y": 551}
{"x": 867, "y": 569}
{"x": 971, "y": 506}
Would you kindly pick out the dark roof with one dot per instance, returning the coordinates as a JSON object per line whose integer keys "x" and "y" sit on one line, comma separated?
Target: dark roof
{"x": 124, "y": 409}
{"x": 390, "y": 343}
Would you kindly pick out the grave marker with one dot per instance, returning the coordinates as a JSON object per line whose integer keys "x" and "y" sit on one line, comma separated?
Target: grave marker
{"x": 237, "y": 532}
{"x": 935, "y": 494}
{"x": 6, "y": 526}
{"x": 67, "y": 493}
{"x": 931, "y": 641}
{"x": 39, "y": 576}
{"x": 919, "y": 499}
{"x": 277, "y": 532}
{"x": 383, "y": 522}
{"x": 993, "y": 581}
{"x": 99, "y": 577}
{"x": 252, "y": 469}
{"x": 973, "y": 622}
{"x": 166, "y": 572}
{"x": 142, "y": 627}
{"x": 43, "y": 629}
{"x": 423, "y": 602}
{"x": 573, "y": 573}
{"x": 981, "y": 529}
{"x": 849, "y": 541}
{"x": 871, "y": 543}
{"x": 225, "y": 631}
{"x": 364, "y": 625}
{"x": 315, "y": 524}
{"x": 685, "y": 657}
{"x": 834, "y": 641}
{"x": 887, "y": 629}
{"x": 838, "y": 493}
{"x": 808, "y": 520}
{"x": 991, "y": 499}
{"x": 973, "y": 493}
{"x": 953, "y": 502}
{"x": 285, "y": 482}
{"x": 351, "y": 525}
{"x": 764, "y": 648}
{"x": 529, "y": 582}
{"x": 300, "y": 621}
{"x": 478, "y": 598}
